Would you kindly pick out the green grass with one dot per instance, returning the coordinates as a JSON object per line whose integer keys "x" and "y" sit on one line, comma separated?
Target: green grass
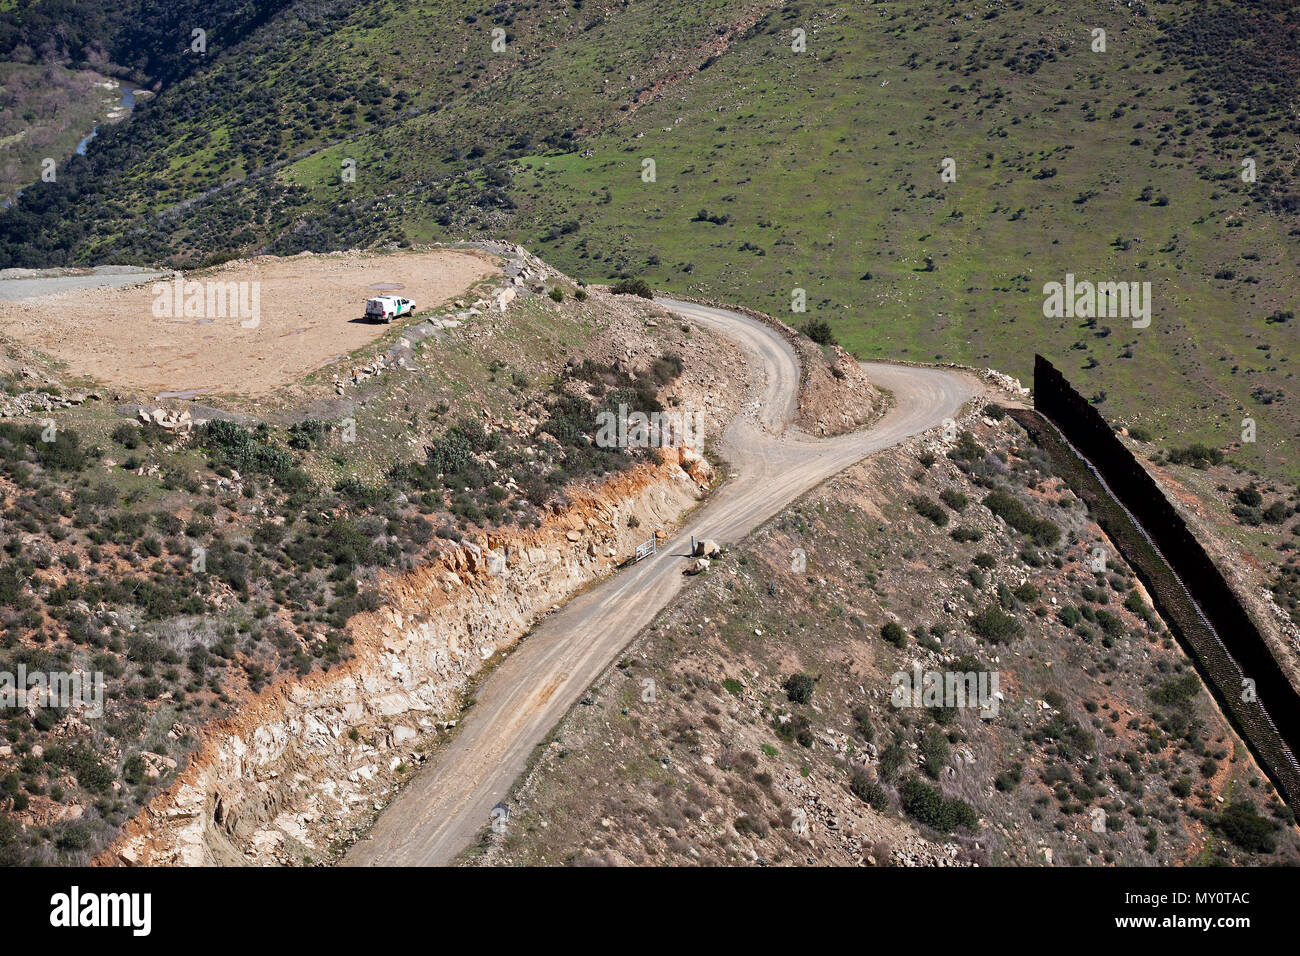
{"x": 826, "y": 165}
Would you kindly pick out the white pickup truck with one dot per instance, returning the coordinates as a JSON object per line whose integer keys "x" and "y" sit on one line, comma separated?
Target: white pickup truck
{"x": 385, "y": 308}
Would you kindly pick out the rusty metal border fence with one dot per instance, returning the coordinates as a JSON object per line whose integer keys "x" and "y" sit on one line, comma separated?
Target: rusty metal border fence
{"x": 1190, "y": 592}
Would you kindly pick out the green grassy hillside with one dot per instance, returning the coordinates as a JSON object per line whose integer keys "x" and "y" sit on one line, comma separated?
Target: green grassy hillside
{"x": 774, "y": 170}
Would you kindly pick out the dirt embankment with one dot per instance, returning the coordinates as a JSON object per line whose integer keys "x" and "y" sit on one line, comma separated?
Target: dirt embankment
{"x": 308, "y": 762}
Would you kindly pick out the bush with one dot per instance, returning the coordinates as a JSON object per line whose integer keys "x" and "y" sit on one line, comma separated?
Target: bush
{"x": 1176, "y": 690}
{"x": 894, "y": 634}
{"x": 1196, "y": 455}
{"x": 633, "y": 287}
{"x": 307, "y": 434}
{"x": 964, "y": 534}
{"x": 1250, "y": 496}
{"x": 868, "y": 791}
{"x": 1241, "y": 824}
{"x": 934, "y": 752}
{"x": 862, "y": 717}
{"x": 1015, "y": 513}
{"x": 819, "y": 330}
{"x": 1025, "y": 592}
{"x": 556, "y": 295}
{"x": 238, "y": 447}
{"x": 931, "y": 509}
{"x": 891, "y": 760}
{"x": 954, "y": 499}
{"x": 993, "y": 625}
{"x": 127, "y": 435}
{"x": 799, "y": 688}
{"x": 926, "y": 804}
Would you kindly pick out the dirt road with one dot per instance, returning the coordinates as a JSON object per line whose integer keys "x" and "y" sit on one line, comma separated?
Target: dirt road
{"x": 444, "y": 808}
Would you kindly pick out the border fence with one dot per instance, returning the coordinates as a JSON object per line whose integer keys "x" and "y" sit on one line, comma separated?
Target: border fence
{"x": 1190, "y": 591}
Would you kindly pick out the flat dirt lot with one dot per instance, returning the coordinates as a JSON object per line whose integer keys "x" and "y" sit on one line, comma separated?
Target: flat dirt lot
{"x": 310, "y": 314}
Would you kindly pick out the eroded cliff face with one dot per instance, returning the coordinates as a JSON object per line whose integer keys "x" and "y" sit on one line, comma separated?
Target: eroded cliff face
{"x": 304, "y": 767}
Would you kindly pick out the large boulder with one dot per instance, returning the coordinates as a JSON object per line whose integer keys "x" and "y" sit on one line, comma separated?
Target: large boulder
{"x": 707, "y": 548}
{"x": 696, "y": 566}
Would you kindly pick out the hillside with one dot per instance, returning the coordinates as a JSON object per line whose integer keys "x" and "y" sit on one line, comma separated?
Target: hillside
{"x": 1056, "y": 146}
{"x": 203, "y": 555}
{"x": 768, "y": 718}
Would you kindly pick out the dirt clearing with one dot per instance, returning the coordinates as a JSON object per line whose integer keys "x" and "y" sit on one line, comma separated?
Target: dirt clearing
{"x": 246, "y": 328}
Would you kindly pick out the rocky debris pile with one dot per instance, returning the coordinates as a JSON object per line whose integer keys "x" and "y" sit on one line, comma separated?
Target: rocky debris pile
{"x": 697, "y": 566}
{"x": 364, "y": 372}
{"x": 26, "y": 403}
{"x": 695, "y": 465}
{"x": 44, "y": 394}
{"x": 165, "y": 418}
{"x": 1004, "y": 381}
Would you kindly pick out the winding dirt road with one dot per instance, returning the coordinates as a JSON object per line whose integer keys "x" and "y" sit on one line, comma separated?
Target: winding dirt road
{"x": 443, "y": 809}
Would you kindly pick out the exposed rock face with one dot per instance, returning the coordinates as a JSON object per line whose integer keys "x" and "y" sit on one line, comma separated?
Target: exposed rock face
{"x": 304, "y": 766}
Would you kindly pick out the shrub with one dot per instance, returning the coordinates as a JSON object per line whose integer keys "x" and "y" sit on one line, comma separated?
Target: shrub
{"x": 868, "y": 791}
{"x": 1250, "y": 496}
{"x": 993, "y": 625}
{"x": 637, "y": 287}
{"x": 891, "y": 760}
{"x": 1176, "y": 690}
{"x": 1015, "y": 513}
{"x": 819, "y": 330}
{"x": 1025, "y": 592}
{"x": 1197, "y": 455}
{"x": 934, "y": 752}
{"x": 894, "y": 633}
{"x": 954, "y": 499}
{"x": 799, "y": 688}
{"x": 1242, "y": 825}
{"x": 931, "y": 509}
{"x": 556, "y": 295}
{"x": 964, "y": 534}
{"x": 127, "y": 435}
{"x": 928, "y": 805}
{"x": 307, "y": 434}
{"x": 862, "y": 717}
{"x": 238, "y": 447}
